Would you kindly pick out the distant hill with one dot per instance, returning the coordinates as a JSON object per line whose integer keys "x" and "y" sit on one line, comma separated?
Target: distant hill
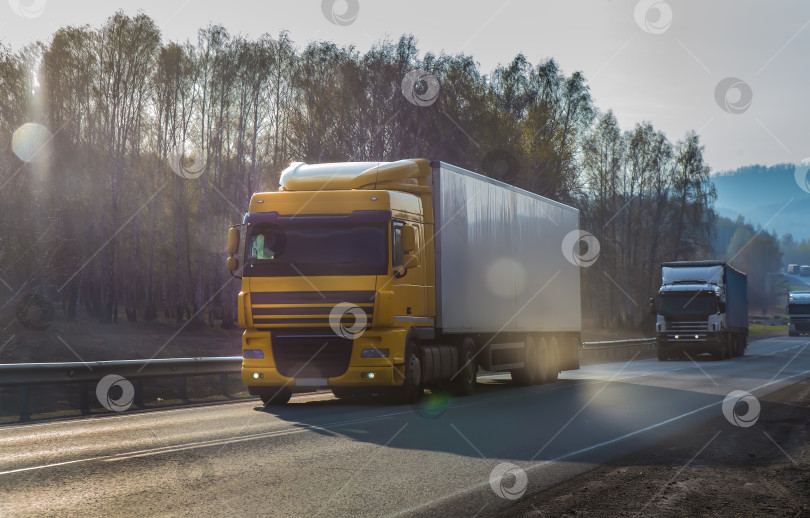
{"x": 758, "y": 193}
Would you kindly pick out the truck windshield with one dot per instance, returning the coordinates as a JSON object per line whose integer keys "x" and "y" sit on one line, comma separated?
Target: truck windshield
{"x": 799, "y": 309}
{"x": 684, "y": 303}
{"x": 301, "y": 248}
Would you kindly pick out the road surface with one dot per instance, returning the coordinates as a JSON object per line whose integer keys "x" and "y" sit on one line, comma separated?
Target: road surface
{"x": 323, "y": 457}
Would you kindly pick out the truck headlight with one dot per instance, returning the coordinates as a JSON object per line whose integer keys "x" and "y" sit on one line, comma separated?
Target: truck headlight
{"x": 374, "y": 353}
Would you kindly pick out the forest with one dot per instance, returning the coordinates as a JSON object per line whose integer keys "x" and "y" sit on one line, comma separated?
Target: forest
{"x": 128, "y": 158}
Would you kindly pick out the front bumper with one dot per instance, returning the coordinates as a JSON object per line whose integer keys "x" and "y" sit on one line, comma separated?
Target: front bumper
{"x": 353, "y": 377}
{"x": 691, "y": 343}
{"x": 359, "y": 372}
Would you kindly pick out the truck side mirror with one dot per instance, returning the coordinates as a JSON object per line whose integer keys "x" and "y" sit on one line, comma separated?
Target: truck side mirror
{"x": 232, "y": 264}
{"x": 653, "y": 306}
{"x": 411, "y": 261}
{"x": 233, "y": 241}
{"x": 408, "y": 237}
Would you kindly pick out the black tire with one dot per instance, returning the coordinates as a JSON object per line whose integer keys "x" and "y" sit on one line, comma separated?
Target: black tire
{"x": 739, "y": 346}
{"x": 662, "y": 356}
{"x": 274, "y": 396}
{"x": 464, "y": 382}
{"x": 411, "y": 390}
{"x": 527, "y": 375}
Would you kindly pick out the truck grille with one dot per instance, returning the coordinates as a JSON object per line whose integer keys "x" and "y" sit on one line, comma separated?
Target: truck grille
{"x": 687, "y": 330}
{"x": 306, "y": 307}
{"x": 304, "y": 354}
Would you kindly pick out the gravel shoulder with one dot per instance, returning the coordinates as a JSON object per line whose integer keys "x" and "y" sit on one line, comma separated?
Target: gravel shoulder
{"x": 762, "y": 470}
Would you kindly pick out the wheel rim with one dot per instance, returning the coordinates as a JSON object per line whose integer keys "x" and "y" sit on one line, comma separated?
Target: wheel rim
{"x": 414, "y": 371}
{"x": 541, "y": 362}
{"x": 469, "y": 367}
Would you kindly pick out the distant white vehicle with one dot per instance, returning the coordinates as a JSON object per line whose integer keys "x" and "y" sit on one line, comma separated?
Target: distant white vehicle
{"x": 793, "y": 269}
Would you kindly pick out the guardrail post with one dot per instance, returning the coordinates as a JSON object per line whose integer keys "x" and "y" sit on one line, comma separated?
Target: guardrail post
{"x": 223, "y": 384}
{"x": 138, "y": 399}
{"x": 184, "y": 388}
{"x": 25, "y": 408}
{"x": 84, "y": 398}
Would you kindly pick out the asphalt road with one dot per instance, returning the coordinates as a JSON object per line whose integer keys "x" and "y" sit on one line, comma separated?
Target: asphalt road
{"x": 321, "y": 456}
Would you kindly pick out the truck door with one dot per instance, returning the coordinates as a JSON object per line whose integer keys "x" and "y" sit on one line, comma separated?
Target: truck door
{"x": 409, "y": 290}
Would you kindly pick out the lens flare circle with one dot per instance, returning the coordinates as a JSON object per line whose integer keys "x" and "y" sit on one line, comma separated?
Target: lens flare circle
{"x": 30, "y": 141}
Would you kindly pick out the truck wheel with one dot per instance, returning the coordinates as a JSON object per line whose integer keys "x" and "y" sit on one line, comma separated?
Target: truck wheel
{"x": 411, "y": 389}
{"x": 662, "y": 356}
{"x": 793, "y": 333}
{"x": 464, "y": 382}
{"x": 552, "y": 368}
{"x": 274, "y": 396}
{"x": 527, "y": 375}
{"x": 739, "y": 346}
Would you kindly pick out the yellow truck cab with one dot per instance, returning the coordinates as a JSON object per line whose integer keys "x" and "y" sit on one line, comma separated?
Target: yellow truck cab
{"x": 390, "y": 277}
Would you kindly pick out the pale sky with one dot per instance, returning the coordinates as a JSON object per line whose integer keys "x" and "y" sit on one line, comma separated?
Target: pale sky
{"x": 663, "y": 67}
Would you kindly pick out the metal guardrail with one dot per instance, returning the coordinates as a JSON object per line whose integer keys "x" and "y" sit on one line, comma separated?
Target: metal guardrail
{"x": 615, "y": 349}
{"x": 26, "y": 375}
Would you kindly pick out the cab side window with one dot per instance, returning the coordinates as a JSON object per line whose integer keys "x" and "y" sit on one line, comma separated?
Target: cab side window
{"x": 397, "y": 255}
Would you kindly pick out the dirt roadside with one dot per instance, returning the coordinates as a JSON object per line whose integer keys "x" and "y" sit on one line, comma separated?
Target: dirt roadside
{"x": 762, "y": 470}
